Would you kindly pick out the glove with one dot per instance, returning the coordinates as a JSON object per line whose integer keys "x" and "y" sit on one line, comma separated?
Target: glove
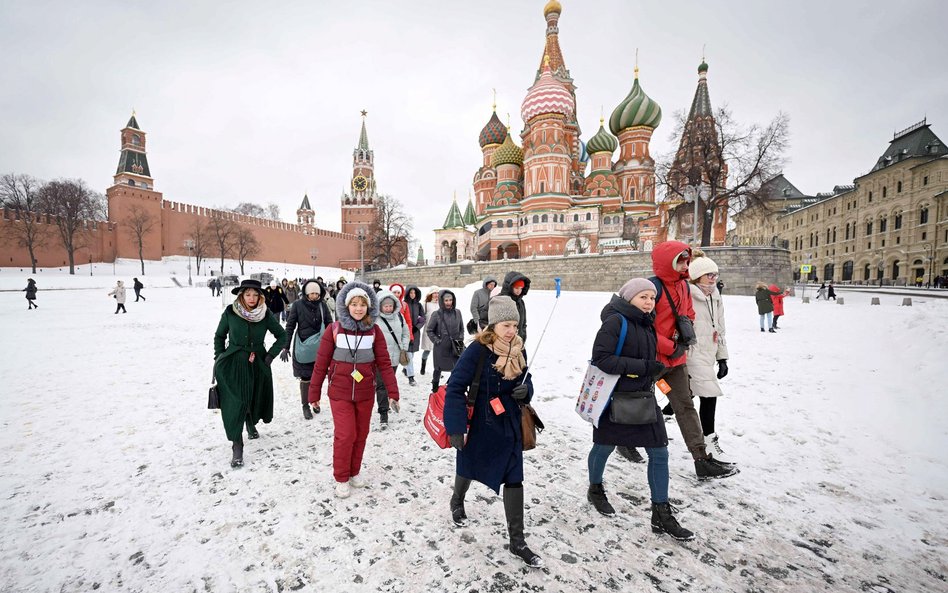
{"x": 456, "y": 440}
{"x": 520, "y": 392}
{"x": 284, "y": 355}
{"x": 393, "y": 405}
{"x": 722, "y": 369}
{"x": 654, "y": 368}
{"x": 268, "y": 359}
{"x": 680, "y": 350}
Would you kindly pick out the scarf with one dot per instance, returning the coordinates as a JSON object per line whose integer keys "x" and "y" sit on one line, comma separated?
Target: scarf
{"x": 251, "y": 316}
{"x": 510, "y": 360}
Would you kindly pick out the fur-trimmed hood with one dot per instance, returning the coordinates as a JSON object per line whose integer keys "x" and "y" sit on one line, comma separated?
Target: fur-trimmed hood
{"x": 342, "y": 312}
{"x": 387, "y": 294}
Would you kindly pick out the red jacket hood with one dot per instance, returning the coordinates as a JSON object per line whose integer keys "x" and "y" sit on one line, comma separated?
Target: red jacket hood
{"x": 401, "y": 297}
{"x": 662, "y": 257}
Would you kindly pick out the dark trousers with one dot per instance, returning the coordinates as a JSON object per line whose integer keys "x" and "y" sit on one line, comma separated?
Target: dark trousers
{"x": 435, "y": 379}
{"x": 120, "y": 307}
{"x": 776, "y": 317}
{"x": 138, "y": 295}
{"x": 381, "y": 393}
{"x": 706, "y": 409}
{"x": 685, "y": 413}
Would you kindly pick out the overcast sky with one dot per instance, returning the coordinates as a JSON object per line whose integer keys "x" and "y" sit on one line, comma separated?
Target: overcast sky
{"x": 255, "y": 101}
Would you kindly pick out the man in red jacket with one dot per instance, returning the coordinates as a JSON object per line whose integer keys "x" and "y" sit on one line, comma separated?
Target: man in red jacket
{"x": 670, "y": 264}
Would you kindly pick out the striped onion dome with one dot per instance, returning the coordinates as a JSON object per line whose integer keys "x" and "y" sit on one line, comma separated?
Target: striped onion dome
{"x": 547, "y": 96}
{"x": 583, "y": 152}
{"x": 603, "y": 141}
{"x": 637, "y": 109}
{"x": 493, "y": 132}
{"x": 508, "y": 154}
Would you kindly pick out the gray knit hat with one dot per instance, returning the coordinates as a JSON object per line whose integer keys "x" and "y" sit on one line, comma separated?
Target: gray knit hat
{"x": 502, "y": 308}
{"x": 634, "y": 287}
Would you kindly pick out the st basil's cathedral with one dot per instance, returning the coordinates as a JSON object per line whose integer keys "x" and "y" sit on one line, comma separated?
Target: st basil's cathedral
{"x": 538, "y": 199}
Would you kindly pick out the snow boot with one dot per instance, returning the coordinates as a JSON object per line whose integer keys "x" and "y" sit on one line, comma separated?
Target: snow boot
{"x": 424, "y": 363}
{"x": 251, "y": 429}
{"x": 513, "y": 508}
{"x": 631, "y": 453}
{"x": 238, "y": 449}
{"x": 457, "y": 501}
{"x": 412, "y": 382}
{"x": 597, "y": 496}
{"x": 761, "y": 330}
{"x": 771, "y": 330}
{"x": 304, "y": 399}
{"x": 667, "y": 410}
{"x": 383, "y": 419}
{"x": 709, "y": 469}
{"x": 663, "y": 521}
{"x": 714, "y": 449}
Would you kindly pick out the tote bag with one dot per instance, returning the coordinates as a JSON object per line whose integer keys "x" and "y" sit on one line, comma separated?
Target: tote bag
{"x": 305, "y": 350}
{"x": 598, "y": 385}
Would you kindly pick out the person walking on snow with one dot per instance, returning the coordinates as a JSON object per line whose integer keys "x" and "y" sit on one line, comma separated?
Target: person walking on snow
{"x": 821, "y": 292}
{"x": 31, "y": 294}
{"x": 416, "y": 312}
{"x": 516, "y": 286}
{"x": 242, "y": 365}
{"x": 765, "y": 306}
{"x": 137, "y": 287}
{"x": 778, "y": 302}
{"x": 399, "y": 291}
{"x": 830, "y": 291}
{"x": 492, "y": 453}
{"x": 431, "y": 306}
{"x": 308, "y": 318}
{"x": 674, "y": 319}
{"x": 351, "y": 352}
{"x": 276, "y": 300}
{"x": 396, "y": 333}
{"x": 637, "y": 369}
{"x": 707, "y": 359}
{"x": 479, "y": 302}
{"x": 444, "y": 328}
{"x": 119, "y": 294}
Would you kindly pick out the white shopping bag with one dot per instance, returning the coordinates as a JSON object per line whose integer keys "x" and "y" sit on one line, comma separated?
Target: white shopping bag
{"x": 594, "y": 394}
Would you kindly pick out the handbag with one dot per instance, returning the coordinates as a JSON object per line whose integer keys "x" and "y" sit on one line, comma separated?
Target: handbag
{"x": 686, "y": 327}
{"x": 530, "y": 426}
{"x": 213, "y": 398}
{"x": 598, "y": 385}
{"x": 472, "y": 326}
{"x": 304, "y": 351}
{"x": 633, "y": 407}
{"x": 402, "y": 355}
{"x": 434, "y": 413}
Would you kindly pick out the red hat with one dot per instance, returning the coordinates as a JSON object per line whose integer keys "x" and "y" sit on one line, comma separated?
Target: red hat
{"x": 518, "y": 284}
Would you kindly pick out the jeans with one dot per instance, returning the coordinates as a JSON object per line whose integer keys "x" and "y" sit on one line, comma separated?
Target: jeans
{"x": 657, "y": 469}
{"x": 770, "y": 320}
{"x": 410, "y": 367}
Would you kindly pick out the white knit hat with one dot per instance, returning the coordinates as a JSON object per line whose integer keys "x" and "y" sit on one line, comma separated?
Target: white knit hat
{"x": 700, "y": 266}
{"x": 356, "y": 292}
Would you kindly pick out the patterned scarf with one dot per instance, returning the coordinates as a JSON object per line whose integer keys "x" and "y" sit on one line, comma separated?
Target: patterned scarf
{"x": 510, "y": 360}
{"x": 252, "y": 316}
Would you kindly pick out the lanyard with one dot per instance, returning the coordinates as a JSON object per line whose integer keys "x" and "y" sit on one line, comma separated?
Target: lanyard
{"x": 352, "y": 352}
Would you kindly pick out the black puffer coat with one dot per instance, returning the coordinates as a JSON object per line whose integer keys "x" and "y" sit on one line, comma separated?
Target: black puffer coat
{"x": 630, "y": 365}
{"x": 306, "y": 318}
{"x": 444, "y": 326}
{"x": 507, "y": 290}
{"x": 416, "y": 309}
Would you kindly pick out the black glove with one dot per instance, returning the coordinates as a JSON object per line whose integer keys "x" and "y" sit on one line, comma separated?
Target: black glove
{"x": 722, "y": 369}
{"x": 680, "y": 350}
{"x": 456, "y": 440}
{"x": 284, "y": 355}
{"x": 654, "y": 368}
{"x": 520, "y": 392}
{"x": 268, "y": 359}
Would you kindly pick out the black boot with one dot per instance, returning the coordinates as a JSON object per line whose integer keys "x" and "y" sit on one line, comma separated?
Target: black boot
{"x": 709, "y": 469}
{"x": 304, "y": 399}
{"x": 667, "y": 410}
{"x": 631, "y": 453}
{"x": 424, "y": 363}
{"x": 457, "y": 501}
{"x": 383, "y": 419}
{"x": 597, "y": 496}
{"x": 251, "y": 429}
{"x": 513, "y": 508}
{"x": 663, "y": 521}
{"x": 238, "y": 448}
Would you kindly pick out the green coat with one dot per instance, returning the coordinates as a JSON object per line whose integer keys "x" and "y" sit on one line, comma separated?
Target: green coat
{"x": 244, "y": 386}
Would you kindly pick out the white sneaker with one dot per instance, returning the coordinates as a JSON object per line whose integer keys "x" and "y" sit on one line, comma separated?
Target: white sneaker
{"x": 342, "y": 489}
{"x": 357, "y": 481}
{"x": 714, "y": 448}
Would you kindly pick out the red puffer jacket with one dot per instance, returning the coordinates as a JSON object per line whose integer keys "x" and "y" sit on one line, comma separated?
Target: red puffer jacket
{"x": 677, "y": 285}
{"x": 343, "y": 351}
{"x": 777, "y": 299}
{"x": 405, "y": 312}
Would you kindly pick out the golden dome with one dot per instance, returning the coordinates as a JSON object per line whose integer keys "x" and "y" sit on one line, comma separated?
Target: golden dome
{"x": 552, "y": 6}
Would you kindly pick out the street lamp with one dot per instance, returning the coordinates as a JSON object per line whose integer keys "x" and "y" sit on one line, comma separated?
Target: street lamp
{"x": 90, "y": 263}
{"x": 313, "y": 255}
{"x": 360, "y": 234}
{"x": 189, "y": 243}
{"x": 930, "y": 248}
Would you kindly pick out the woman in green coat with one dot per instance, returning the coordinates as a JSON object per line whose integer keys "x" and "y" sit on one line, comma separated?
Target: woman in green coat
{"x": 242, "y": 368}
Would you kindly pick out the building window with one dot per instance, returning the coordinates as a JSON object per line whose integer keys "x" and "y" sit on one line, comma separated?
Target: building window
{"x": 509, "y": 223}
{"x": 847, "y": 231}
{"x": 883, "y": 224}
{"x": 870, "y": 197}
{"x": 924, "y": 235}
{"x": 544, "y": 218}
{"x": 834, "y": 234}
{"x": 542, "y": 187}
{"x": 576, "y": 218}
{"x": 868, "y": 228}
{"x": 885, "y": 191}
{"x": 925, "y": 180}
{"x": 898, "y": 221}
{"x": 898, "y": 187}
{"x": 898, "y": 240}
{"x": 923, "y": 216}
{"x": 883, "y": 242}
{"x": 589, "y": 216}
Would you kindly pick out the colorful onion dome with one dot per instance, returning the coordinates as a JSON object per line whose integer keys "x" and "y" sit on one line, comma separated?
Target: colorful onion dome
{"x": 637, "y": 109}
{"x": 583, "y": 152}
{"x": 547, "y": 96}
{"x": 603, "y": 141}
{"x": 493, "y": 132}
{"x": 508, "y": 154}
{"x": 703, "y": 67}
{"x": 552, "y": 6}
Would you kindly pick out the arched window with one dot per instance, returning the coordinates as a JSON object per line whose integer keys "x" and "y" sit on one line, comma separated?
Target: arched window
{"x": 589, "y": 216}
{"x": 898, "y": 221}
{"x": 510, "y": 223}
{"x": 576, "y": 218}
{"x": 500, "y": 224}
{"x": 631, "y": 193}
{"x": 923, "y": 215}
{"x": 848, "y": 271}
{"x": 131, "y": 182}
{"x": 866, "y": 273}
{"x": 898, "y": 187}
{"x": 536, "y": 219}
{"x": 885, "y": 191}
{"x": 544, "y": 218}
{"x": 895, "y": 269}
{"x": 883, "y": 224}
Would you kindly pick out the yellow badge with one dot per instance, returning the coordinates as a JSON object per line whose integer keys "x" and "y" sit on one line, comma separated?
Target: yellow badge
{"x": 357, "y": 376}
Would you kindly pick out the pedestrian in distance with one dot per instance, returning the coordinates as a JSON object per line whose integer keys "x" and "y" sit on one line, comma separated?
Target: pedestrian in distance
{"x": 516, "y": 286}
{"x": 396, "y": 332}
{"x": 276, "y": 300}
{"x": 137, "y": 286}
{"x": 399, "y": 291}
{"x": 242, "y": 365}
{"x": 830, "y": 291}
{"x": 351, "y": 353}
{"x": 118, "y": 293}
{"x": 30, "y": 291}
{"x": 416, "y": 311}
{"x": 212, "y": 284}
{"x": 821, "y": 292}
{"x": 637, "y": 368}
{"x": 778, "y": 303}
{"x": 377, "y": 286}
{"x": 492, "y": 452}
{"x": 306, "y": 321}
{"x": 431, "y": 305}
{"x": 445, "y": 330}
{"x": 293, "y": 292}
{"x": 765, "y": 306}
{"x": 479, "y": 302}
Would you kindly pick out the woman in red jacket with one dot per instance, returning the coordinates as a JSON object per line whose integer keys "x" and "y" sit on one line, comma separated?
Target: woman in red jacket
{"x": 778, "y": 303}
{"x": 351, "y": 352}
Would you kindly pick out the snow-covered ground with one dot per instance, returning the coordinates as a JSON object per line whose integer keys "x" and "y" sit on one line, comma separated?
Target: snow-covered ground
{"x": 116, "y": 478}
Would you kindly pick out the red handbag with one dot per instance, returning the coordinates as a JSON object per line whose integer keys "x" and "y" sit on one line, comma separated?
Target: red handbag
{"x": 434, "y": 414}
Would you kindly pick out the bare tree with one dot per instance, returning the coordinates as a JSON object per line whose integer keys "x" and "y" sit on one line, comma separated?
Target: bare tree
{"x": 200, "y": 234}
{"x": 23, "y": 195}
{"x": 578, "y": 234}
{"x": 73, "y": 207}
{"x": 246, "y": 246}
{"x": 223, "y": 233}
{"x": 139, "y": 223}
{"x": 271, "y": 211}
{"x": 390, "y": 233}
{"x": 728, "y": 161}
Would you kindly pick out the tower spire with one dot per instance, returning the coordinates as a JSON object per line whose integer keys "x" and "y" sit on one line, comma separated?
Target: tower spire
{"x": 363, "y": 135}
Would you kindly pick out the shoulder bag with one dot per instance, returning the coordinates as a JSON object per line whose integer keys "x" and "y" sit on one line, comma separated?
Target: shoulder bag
{"x": 530, "y": 425}
{"x": 402, "y": 355}
{"x": 598, "y": 385}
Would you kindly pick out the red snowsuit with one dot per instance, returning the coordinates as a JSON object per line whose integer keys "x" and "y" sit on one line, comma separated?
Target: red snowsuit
{"x": 677, "y": 285}
{"x": 777, "y": 299}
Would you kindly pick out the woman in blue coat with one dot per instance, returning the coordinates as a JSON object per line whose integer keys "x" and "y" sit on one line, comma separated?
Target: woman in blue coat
{"x": 493, "y": 451}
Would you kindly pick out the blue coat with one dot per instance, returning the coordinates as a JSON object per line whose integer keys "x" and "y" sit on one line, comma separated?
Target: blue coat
{"x": 493, "y": 454}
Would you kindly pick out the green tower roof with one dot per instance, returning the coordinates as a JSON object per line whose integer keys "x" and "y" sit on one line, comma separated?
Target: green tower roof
{"x": 454, "y": 219}
{"x": 364, "y": 138}
{"x": 305, "y": 205}
{"x": 470, "y": 217}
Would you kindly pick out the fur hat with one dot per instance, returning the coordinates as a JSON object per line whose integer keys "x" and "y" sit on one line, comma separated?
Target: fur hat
{"x": 502, "y": 308}
{"x": 356, "y": 291}
{"x": 701, "y": 265}
{"x": 634, "y": 287}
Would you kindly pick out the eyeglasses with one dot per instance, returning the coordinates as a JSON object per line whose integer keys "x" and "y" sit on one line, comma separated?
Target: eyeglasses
{"x": 711, "y": 275}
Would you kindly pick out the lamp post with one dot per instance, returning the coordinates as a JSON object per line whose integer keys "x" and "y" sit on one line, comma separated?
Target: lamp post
{"x": 90, "y": 263}
{"x": 881, "y": 267}
{"x": 930, "y": 248}
{"x": 360, "y": 233}
{"x": 313, "y": 255}
{"x": 189, "y": 243}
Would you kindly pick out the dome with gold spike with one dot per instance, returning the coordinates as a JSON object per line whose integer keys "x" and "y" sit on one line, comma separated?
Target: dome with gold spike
{"x": 637, "y": 109}
{"x": 547, "y": 96}
{"x": 552, "y": 6}
{"x": 603, "y": 141}
{"x": 508, "y": 154}
{"x": 493, "y": 132}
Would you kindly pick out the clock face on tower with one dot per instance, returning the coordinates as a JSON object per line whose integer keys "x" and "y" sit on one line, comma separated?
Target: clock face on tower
{"x": 359, "y": 183}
